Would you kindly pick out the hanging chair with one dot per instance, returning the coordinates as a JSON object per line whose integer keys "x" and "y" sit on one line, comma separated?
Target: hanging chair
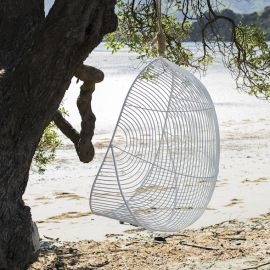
{"x": 162, "y": 163}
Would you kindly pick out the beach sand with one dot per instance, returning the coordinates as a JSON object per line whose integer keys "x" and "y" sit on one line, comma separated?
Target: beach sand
{"x": 59, "y": 198}
{"x": 230, "y": 245}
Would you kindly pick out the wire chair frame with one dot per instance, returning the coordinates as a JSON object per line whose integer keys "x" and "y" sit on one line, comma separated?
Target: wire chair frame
{"x": 162, "y": 163}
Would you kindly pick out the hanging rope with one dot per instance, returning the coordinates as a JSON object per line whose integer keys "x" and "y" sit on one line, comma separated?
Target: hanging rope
{"x": 161, "y": 37}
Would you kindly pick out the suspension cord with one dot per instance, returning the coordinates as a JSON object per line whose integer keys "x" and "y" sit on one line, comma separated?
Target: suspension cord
{"x": 161, "y": 37}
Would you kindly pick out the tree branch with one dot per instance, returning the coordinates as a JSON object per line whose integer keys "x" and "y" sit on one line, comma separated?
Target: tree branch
{"x": 66, "y": 128}
{"x": 83, "y": 140}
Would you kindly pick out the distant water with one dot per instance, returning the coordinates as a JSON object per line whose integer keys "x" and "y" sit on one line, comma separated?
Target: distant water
{"x": 121, "y": 69}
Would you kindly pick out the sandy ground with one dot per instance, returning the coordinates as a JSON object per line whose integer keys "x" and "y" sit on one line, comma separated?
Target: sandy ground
{"x": 229, "y": 245}
{"x": 59, "y": 198}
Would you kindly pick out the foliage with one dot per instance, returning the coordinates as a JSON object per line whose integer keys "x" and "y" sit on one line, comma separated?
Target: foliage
{"x": 48, "y": 144}
{"x": 137, "y": 29}
{"x": 244, "y": 48}
{"x": 45, "y": 152}
{"x": 252, "y": 67}
{"x": 260, "y": 19}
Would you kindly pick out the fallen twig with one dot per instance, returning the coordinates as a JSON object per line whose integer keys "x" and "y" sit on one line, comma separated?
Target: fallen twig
{"x": 131, "y": 243}
{"x": 176, "y": 235}
{"x": 196, "y": 246}
{"x": 234, "y": 239}
{"x": 50, "y": 238}
{"x": 98, "y": 265}
{"x": 257, "y": 267}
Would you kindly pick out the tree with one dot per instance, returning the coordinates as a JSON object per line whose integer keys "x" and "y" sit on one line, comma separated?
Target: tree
{"x": 244, "y": 48}
{"x": 38, "y": 58}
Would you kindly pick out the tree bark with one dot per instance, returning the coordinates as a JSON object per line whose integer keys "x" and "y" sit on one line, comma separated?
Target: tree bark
{"x": 18, "y": 19}
{"x": 46, "y": 54}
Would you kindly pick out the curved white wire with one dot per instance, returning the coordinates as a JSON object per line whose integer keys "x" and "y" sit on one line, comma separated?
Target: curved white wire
{"x": 161, "y": 166}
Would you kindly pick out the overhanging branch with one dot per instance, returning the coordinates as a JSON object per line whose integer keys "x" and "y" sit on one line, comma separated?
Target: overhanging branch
{"x": 83, "y": 140}
{"x": 66, "y": 128}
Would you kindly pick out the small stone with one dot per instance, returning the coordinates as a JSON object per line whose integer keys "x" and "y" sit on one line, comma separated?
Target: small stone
{"x": 59, "y": 264}
{"x": 73, "y": 262}
{"x": 160, "y": 239}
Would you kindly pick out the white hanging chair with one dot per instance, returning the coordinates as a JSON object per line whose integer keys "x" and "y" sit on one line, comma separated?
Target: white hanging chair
{"x": 161, "y": 166}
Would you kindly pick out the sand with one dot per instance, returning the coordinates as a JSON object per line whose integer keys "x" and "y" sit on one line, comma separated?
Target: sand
{"x": 229, "y": 245}
{"x": 59, "y": 198}
{"x": 74, "y": 238}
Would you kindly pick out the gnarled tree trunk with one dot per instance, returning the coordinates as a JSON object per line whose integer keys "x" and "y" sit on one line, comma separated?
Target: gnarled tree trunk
{"x": 38, "y": 58}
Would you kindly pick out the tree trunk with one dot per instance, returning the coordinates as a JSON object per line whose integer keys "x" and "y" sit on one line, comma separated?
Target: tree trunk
{"x": 39, "y": 64}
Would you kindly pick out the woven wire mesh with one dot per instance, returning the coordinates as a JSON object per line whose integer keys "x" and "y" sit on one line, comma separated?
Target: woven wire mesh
{"x": 161, "y": 166}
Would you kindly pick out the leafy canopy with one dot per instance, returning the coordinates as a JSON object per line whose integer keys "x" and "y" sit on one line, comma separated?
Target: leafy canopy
{"x": 246, "y": 54}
